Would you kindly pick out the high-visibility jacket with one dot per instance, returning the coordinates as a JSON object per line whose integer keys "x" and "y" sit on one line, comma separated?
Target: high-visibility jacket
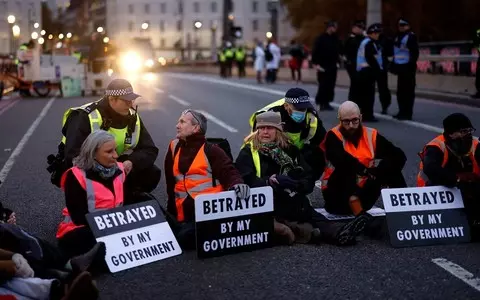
{"x": 229, "y": 53}
{"x": 126, "y": 138}
{"x": 362, "y": 61}
{"x": 240, "y": 54}
{"x": 99, "y": 197}
{"x": 364, "y": 153}
{"x": 197, "y": 181}
{"x": 256, "y": 159}
{"x": 295, "y": 138}
{"x": 401, "y": 54}
{"x": 439, "y": 141}
{"x": 221, "y": 56}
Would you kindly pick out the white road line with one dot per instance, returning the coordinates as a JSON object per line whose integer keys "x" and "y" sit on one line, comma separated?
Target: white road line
{"x": 159, "y": 91}
{"x": 218, "y": 122}
{"x": 458, "y": 272}
{"x": 178, "y": 100}
{"x": 11, "y": 160}
{"x": 280, "y": 93}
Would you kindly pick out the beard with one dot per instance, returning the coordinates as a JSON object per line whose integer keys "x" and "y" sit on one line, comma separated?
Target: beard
{"x": 352, "y": 135}
{"x": 460, "y": 146}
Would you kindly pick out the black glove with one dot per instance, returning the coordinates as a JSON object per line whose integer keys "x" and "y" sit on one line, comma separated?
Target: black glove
{"x": 286, "y": 182}
{"x": 241, "y": 190}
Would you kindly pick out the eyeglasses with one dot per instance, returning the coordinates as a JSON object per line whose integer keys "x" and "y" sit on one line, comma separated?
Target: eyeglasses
{"x": 192, "y": 112}
{"x": 354, "y": 121}
{"x": 462, "y": 133}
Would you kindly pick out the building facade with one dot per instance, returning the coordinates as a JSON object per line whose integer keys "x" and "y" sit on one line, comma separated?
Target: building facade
{"x": 26, "y": 13}
{"x": 172, "y": 25}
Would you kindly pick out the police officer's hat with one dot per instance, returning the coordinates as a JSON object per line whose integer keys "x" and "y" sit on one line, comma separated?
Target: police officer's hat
{"x": 359, "y": 24}
{"x": 374, "y": 28}
{"x": 331, "y": 23}
{"x": 121, "y": 88}
{"x": 403, "y": 22}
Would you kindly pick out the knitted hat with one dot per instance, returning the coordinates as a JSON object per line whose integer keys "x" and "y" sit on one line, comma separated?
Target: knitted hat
{"x": 456, "y": 122}
{"x": 269, "y": 118}
{"x": 121, "y": 88}
{"x": 299, "y": 98}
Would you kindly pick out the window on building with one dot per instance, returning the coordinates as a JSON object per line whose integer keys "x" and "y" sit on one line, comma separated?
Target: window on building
{"x": 255, "y": 25}
{"x": 162, "y": 26}
{"x": 214, "y": 7}
{"x": 196, "y": 7}
{"x": 196, "y": 42}
{"x": 179, "y": 25}
{"x": 130, "y": 9}
{"x": 147, "y": 8}
{"x": 180, "y": 7}
{"x": 163, "y": 8}
{"x": 162, "y": 42}
{"x": 254, "y": 6}
{"x": 130, "y": 26}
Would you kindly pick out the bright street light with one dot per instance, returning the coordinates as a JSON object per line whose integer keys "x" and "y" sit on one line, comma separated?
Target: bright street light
{"x": 11, "y": 19}
{"x": 50, "y": 36}
{"x": 41, "y": 41}
{"x": 106, "y": 40}
{"x": 145, "y": 26}
{"x": 36, "y": 25}
{"x": 16, "y": 30}
{"x": 60, "y": 36}
{"x": 100, "y": 29}
{"x": 69, "y": 35}
{"x": 43, "y": 32}
{"x": 59, "y": 45}
{"x": 269, "y": 35}
{"x": 231, "y": 17}
{"x": 198, "y": 24}
{"x": 34, "y": 35}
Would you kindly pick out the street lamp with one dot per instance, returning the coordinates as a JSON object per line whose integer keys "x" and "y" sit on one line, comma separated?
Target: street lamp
{"x": 16, "y": 30}
{"x": 100, "y": 29}
{"x": 145, "y": 26}
{"x": 60, "y": 36}
{"x": 36, "y": 25}
{"x": 269, "y": 35}
{"x": 198, "y": 24}
{"x": 34, "y": 35}
{"x": 106, "y": 40}
{"x": 50, "y": 36}
{"x": 43, "y": 32}
{"x": 69, "y": 35}
{"x": 41, "y": 41}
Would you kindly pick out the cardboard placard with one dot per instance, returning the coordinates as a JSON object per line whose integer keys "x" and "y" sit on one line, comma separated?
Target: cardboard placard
{"x": 134, "y": 235}
{"x": 226, "y": 225}
{"x": 425, "y": 216}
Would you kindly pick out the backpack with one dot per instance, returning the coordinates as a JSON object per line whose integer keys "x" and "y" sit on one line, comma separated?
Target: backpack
{"x": 268, "y": 54}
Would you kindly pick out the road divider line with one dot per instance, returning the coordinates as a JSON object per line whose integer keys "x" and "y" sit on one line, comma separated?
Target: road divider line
{"x": 458, "y": 272}
{"x": 16, "y": 152}
{"x": 218, "y": 122}
{"x": 160, "y": 91}
{"x": 9, "y": 105}
{"x": 178, "y": 100}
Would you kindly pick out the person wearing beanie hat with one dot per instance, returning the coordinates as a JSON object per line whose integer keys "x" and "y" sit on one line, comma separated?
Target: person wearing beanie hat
{"x": 113, "y": 113}
{"x": 452, "y": 159}
{"x": 268, "y": 158}
{"x": 301, "y": 123}
{"x": 194, "y": 166}
{"x": 351, "y": 48}
{"x": 404, "y": 65}
{"x": 369, "y": 65}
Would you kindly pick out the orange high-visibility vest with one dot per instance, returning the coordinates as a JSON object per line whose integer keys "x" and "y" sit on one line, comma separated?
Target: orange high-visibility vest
{"x": 364, "y": 153}
{"x": 99, "y": 197}
{"x": 197, "y": 180}
{"x": 439, "y": 141}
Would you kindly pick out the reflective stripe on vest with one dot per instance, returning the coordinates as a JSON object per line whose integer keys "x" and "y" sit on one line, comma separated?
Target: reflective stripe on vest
{"x": 124, "y": 143}
{"x": 310, "y": 118}
{"x": 401, "y": 55}
{"x": 99, "y": 197}
{"x": 362, "y": 61}
{"x": 197, "y": 180}
{"x": 439, "y": 141}
{"x": 364, "y": 153}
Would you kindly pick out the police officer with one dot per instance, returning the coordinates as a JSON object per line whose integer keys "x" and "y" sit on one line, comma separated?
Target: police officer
{"x": 476, "y": 43}
{"x": 240, "y": 59}
{"x": 351, "y": 48}
{"x": 369, "y": 66}
{"x": 222, "y": 60}
{"x": 301, "y": 124}
{"x": 405, "y": 56}
{"x": 229, "y": 56}
{"x": 385, "y": 44}
{"x": 115, "y": 114}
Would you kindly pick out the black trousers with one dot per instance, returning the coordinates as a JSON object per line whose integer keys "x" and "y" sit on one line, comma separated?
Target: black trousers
{"x": 271, "y": 76}
{"x": 141, "y": 181}
{"x": 383, "y": 90}
{"x": 298, "y": 72}
{"x": 366, "y": 79}
{"x": 406, "y": 90}
{"x": 223, "y": 70}
{"x": 326, "y": 86}
{"x": 241, "y": 69}
{"x": 352, "y": 74}
{"x": 337, "y": 194}
{"x": 471, "y": 196}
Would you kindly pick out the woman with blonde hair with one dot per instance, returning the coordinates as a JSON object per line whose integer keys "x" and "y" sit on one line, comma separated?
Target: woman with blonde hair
{"x": 269, "y": 159}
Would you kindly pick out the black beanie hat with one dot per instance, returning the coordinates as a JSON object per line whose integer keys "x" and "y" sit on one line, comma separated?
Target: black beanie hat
{"x": 456, "y": 122}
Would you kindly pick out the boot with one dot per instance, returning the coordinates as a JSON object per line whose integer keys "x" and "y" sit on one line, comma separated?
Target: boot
{"x": 83, "y": 262}
{"x": 348, "y": 233}
{"x": 283, "y": 233}
{"x": 82, "y": 288}
{"x": 302, "y": 231}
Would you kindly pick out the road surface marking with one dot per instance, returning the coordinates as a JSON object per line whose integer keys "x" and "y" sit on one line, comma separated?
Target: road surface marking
{"x": 458, "y": 272}
{"x": 159, "y": 91}
{"x": 218, "y": 122}
{"x": 280, "y": 93}
{"x": 9, "y": 104}
{"x": 178, "y": 100}
{"x": 11, "y": 160}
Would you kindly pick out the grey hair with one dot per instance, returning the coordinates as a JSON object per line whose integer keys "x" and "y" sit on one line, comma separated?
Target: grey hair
{"x": 92, "y": 143}
{"x": 198, "y": 119}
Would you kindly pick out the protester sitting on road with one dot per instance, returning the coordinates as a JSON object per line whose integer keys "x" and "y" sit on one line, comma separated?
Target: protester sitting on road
{"x": 302, "y": 125}
{"x": 360, "y": 162}
{"x": 95, "y": 182}
{"x": 193, "y": 167}
{"x": 18, "y": 279}
{"x": 269, "y": 159}
{"x": 135, "y": 147}
{"x": 452, "y": 159}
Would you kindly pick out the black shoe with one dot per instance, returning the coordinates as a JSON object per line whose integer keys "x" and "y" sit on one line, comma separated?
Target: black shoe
{"x": 349, "y": 232}
{"x": 82, "y": 263}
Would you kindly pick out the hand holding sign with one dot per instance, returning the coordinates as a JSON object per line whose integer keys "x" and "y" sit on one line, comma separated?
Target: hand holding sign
{"x": 242, "y": 191}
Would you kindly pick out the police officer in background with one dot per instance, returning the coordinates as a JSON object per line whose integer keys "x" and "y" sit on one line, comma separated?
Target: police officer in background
{"x": 241, "y": 60}
{"x": 476, "y": 44}
{"x": 351, "y": 48}
{"x": 405, "y": 56}
{"x": 385, "y": 44}
{"x": 369, "y": 66}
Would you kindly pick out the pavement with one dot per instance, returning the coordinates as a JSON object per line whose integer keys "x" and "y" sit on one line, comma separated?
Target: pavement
{"x": 30, "y": 130}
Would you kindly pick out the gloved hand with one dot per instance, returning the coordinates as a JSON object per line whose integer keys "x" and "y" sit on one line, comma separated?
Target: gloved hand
{"x": 286, "y": 182}
{"x": 468, "y": 177}
{"x": 241, "y": 190}
{"x": 23, "y": 268}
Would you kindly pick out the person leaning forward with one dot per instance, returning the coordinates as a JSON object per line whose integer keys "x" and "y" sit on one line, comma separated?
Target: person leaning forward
{"x": 194, "y": 167}
{"x": 269, "y": 159}
{"x": 301, "y": 124}
{"x": 452, "y": 159}
{"x": 360, "y": 162}
{"x": 135, "y": 146}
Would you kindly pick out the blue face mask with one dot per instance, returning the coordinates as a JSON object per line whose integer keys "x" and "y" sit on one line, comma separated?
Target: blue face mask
{"x": 104, "y": 172}
{"x": 298, "y": 116}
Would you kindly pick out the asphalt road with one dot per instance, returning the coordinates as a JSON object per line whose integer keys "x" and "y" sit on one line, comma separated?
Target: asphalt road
{"x": 371, "y": 269}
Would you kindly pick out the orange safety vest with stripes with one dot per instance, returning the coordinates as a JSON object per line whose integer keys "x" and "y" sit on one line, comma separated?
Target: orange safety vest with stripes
{"x": 197, "y": 180}
{"x": 439, "y": 141}
{"x": 364, "y": 153}
{"x": 99, "y": 197}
